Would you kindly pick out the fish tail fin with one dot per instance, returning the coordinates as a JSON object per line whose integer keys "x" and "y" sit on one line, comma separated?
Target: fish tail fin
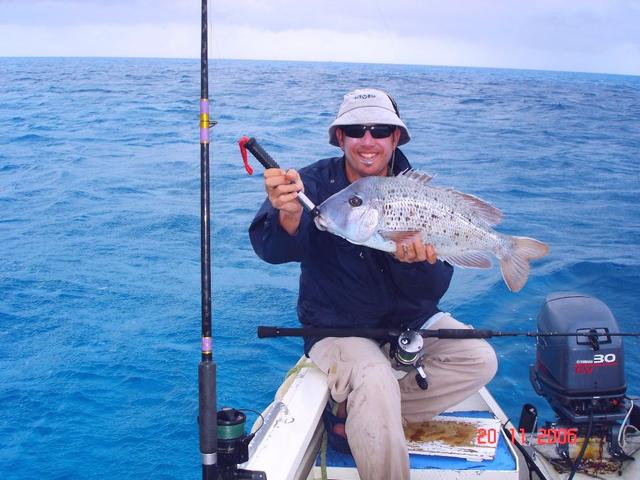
{"x": 514, "y": 261}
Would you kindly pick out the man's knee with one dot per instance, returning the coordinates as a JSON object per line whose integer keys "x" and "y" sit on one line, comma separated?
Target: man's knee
{"x": 488, "y": 363}
{"x": 374, "y": 377}
{"x": 368, "y": 371}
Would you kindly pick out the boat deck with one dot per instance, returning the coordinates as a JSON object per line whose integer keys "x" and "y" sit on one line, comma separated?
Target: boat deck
{"x": 341, "y": 466}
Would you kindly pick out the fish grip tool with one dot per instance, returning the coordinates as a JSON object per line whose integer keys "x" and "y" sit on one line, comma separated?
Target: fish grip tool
{"x": 252, "y": 145}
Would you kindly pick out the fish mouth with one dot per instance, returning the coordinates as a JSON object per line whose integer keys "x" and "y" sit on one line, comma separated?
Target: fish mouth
{"x": 321, "y": 223}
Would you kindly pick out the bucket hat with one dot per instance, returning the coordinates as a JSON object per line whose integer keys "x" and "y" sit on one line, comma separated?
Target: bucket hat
{"x": 367, "y": 106}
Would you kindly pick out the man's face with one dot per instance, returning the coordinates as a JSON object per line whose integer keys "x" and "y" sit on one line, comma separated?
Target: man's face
{"x": 367, "y": 156}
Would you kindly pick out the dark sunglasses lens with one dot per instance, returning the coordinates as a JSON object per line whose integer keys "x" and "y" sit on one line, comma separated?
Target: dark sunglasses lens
{"x": 377, "y": 131}
{"x": 381, "y": 131}
{"x": 354, "y": 131}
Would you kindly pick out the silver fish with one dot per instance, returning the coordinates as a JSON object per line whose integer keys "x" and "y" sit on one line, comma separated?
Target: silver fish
{"x": 380, "y": 212}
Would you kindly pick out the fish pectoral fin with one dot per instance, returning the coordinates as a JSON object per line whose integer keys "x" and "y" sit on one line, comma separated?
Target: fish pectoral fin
{"x": 474, "y": 259}
{"x": 400, "y": 236}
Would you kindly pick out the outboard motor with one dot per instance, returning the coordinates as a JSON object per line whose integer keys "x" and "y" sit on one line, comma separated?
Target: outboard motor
{"x": 581, "y": 374}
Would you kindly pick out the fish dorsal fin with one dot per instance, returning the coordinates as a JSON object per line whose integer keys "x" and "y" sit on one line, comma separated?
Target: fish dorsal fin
{"x": 415, "y": 175}
{"x": 400, "y": 236}
{"x": 478, "y": 207}
{"x": 474, "y": 259}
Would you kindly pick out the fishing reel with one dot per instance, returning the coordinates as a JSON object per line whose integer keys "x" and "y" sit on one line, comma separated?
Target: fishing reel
{"x": 233, "y": 446}
{"x": 407, "y": 351}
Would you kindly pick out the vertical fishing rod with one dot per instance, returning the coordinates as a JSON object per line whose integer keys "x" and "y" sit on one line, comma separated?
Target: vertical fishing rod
{"x": 207, "y": 420}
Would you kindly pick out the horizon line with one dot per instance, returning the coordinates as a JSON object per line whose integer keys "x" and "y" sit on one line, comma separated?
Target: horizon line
{"x": 212, "y": 59}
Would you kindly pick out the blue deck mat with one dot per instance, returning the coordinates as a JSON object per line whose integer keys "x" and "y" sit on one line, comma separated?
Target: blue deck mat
{"x": 502, "y": 461}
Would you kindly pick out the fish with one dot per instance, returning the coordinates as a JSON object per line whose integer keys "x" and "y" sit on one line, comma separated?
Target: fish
{"x": 380, "y": 212}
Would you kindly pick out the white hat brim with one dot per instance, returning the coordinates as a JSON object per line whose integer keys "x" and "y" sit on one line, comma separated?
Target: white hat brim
{"x": 369, "y": 115}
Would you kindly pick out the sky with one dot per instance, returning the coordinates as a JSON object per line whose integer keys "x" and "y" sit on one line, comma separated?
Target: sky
{"x": 569, "y": 35}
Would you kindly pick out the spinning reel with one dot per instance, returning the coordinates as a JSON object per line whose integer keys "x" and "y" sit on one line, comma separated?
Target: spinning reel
{"x": 233, "y": 446}
{"x": 407, "y": 351}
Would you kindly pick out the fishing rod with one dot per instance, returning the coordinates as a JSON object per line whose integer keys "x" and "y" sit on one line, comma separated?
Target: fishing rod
{"x": 443, "y": 333}
{"x": 207, "y": 416}
{"x": 406, "y": 346}
{"x": 223, "y": 443}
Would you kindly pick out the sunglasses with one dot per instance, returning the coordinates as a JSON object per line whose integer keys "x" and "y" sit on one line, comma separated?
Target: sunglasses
{"x": 377, "y": 131}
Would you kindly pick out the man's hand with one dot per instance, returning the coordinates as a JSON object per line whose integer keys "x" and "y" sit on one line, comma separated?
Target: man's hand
{"x": 416, "y": 251}
{"x": 282, "y": 189}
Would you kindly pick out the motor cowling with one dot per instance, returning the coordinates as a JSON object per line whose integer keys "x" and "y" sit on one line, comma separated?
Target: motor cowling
{"x": 580, "y": 374}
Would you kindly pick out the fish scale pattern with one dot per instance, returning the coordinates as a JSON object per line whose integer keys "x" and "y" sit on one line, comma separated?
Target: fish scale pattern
{"x": 443, "y": 216}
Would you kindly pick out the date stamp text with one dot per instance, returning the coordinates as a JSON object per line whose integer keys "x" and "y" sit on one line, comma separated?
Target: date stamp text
{"x": 545, "y": 436}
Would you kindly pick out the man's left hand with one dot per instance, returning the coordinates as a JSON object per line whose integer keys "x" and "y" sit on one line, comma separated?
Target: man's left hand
{"x": 416, "y": 251}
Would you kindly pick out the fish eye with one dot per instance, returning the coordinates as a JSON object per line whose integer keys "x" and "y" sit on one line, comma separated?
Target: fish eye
{"x": 355, "y": 201}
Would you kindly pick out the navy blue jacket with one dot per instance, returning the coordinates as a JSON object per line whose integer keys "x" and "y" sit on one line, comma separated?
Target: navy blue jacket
{"x": 342, "y": 284}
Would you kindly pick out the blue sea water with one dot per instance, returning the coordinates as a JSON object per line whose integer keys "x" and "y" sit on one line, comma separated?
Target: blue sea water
{"x": 99, "y": 234}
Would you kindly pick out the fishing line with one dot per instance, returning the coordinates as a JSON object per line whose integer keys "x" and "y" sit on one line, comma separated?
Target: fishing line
{"x": 392, "y": 163}
{"x": 258, "y": 414}
{"x": 210, "y": 41}
{"x": 383, "y": 26}
{"x": 236, "y": 429}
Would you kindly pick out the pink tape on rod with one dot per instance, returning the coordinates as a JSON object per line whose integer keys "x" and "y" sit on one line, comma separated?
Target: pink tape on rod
{"x": 204, "y": 120}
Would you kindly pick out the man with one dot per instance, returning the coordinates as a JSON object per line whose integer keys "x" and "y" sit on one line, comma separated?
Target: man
{"x": 348, "y": 285}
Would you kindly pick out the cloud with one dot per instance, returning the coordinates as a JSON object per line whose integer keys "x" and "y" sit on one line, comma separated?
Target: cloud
{"x": 328, "y": 45}
{"x": 170, "y": 40}
{"x": 583, "y": 35}
{"x": 580, "y": 35}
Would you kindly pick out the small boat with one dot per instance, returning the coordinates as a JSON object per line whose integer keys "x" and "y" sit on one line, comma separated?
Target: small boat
{"x": 578, "y": 370}
{"x": 289, "y": 445}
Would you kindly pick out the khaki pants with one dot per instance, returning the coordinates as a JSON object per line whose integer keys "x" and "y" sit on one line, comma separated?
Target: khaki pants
{"x": 360, "y": 372}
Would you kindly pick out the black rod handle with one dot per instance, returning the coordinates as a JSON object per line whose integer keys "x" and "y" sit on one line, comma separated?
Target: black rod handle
{"x": 458, "y": 333}
{"x": 380, "y": 333}
{"x": 207, "y": 419}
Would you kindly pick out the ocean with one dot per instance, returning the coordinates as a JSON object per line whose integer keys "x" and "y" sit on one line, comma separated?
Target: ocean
{"x": 99, "y": 234}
